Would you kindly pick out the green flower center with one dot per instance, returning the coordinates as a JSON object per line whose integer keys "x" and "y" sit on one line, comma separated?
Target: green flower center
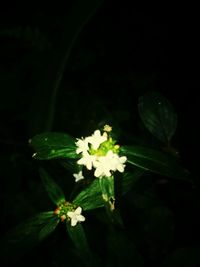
{"x": 62, "y": 210}
{"x": 103, "y": 149}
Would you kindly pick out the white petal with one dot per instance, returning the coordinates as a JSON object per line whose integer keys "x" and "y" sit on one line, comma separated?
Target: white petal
{"x": 110, "y": 154}
{"x": 107, "y": 173}
{"x": 123, "y": 159}
{"x": 89, "y": 165}
{"x": 73, "y": 221}
{"x": 78, "y": 211}
{"x": 77, "y": 179}
{"x": 78, "y": 176}
{"x": 120, "y": 168}
{"x": 98, "y": 172}
{"x": 80, "y": 218}
{"x": 70, "y": 214}
{"x": 81, "y": 161}
{"x": 82, "y": 145}
{"x": 96, "y": 139}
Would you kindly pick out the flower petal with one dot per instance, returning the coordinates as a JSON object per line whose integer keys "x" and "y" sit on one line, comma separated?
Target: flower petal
{"x": 78, "y": 211}
{"x": 70, "y": 214}
{"x": 80, "y": 218}
{"x": 78, "y": 176}
{"x": 73, "y": 221}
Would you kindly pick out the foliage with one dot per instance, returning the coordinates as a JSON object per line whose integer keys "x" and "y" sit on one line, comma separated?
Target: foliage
{"x": 103, "y": 191}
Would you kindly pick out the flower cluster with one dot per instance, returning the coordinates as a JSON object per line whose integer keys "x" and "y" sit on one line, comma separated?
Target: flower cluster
{"x": 100, "y": 152}
{"x": 68, "y": 211}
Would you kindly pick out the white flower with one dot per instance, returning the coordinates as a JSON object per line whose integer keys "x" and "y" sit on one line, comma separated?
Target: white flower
{"x": 96, "y": 139}
{"x": 103, "y": 167}
{"x": 87, "y": 160}
{"x": 110, "y": 162}
{"x": 78, "y": 176}
{"x": 119, "y": 163}
{"x": 82, "y": 145}
{"x": 76, "y": 216}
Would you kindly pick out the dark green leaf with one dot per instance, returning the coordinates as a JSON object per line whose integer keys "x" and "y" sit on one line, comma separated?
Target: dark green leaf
{"x": 70, "y": 165}
{"x": 158, "y": 116}
{"x": 78, "y": 237}
{"x": 53, "y": 145}
{"x": 48, "y": 228}
{"x": 32, "y": 227}
{"x": 22, "y": 238}
{"x": 116, "y": 218}
{"x": 129, "y": 179}
{"x": 154, "y": 161}
{"x": 54, "y": 191}
{"x": 90, "y": 197}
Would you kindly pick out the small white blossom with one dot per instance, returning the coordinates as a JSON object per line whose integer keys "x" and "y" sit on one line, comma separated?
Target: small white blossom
{"x": 76, "y": 216}
{"x": 78, "y": 176}
{"x": 103, "y": 167}
{"x": 96, "y": 139}
{"x": 87, "y": 160}
{"x": 111, "y": 162}
{"x": 119, "y": 163}
{"x": 82, "y": 145}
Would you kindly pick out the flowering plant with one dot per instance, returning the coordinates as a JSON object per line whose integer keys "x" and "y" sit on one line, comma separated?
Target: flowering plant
{"x": 102, "y": 171}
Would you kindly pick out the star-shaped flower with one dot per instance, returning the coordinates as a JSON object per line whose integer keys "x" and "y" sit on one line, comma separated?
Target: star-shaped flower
{"x": 82, "y": 145}
{"x": 87, "y": 160}
{"x": 119, "y": 163}
{"x": 78, "y": 176}
{"x": 111, "y": 162}
{"x": 76, "y": 216}
{"x": 104, "y": 165}
{"x": 96, "y": 139}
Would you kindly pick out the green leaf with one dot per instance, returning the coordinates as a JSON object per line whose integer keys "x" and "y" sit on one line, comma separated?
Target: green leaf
{"x": 32, "y": 227}
{"x": 54, "y": 191}
{"x": 129, "y": 179}
{"x": 158, "y": 116}
{"x": 53, "y": 145}
{"x": 154, "y": 161}
{"x": 78, "y": 237}
{"x": 91, "y": 197}
{"x": 48, "y": 228}
{"x": 22, "y": 238}
{"x": 70, "y": 165}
